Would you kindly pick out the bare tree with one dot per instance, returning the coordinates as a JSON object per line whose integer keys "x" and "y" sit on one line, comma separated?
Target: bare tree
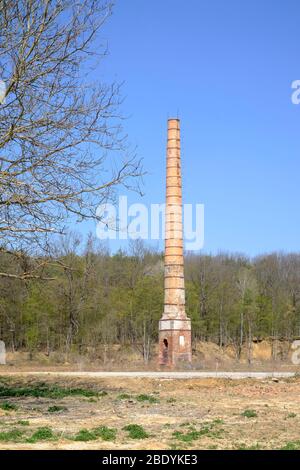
{"x": 62, "y": 147}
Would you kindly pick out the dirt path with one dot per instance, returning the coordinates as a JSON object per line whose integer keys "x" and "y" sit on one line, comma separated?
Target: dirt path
{"x": 158, "y": 375}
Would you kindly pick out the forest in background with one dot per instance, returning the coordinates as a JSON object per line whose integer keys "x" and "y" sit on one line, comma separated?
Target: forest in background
{"x": 90, "y": 299}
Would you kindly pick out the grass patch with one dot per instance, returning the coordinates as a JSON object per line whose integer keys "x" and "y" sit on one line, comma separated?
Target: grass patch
{"x": 189, "y": 436}
{"x": 56, "y": 409}
{"x": 175, "y": 446}
{"x": 23, "y": 422}
{"x": 105, "y": 433}
{"x": 13, "y": 435}
{"x": 171, "y": 400}
{"x": 136, "y": 432}
{"x": 218, "y": 421}
{"x": 251, "y": 447}
{"x": 142, "y": 398}
{"x": 46, "y": 391}
{"x": 85, "y": 435}
{"x": 41, "y": 434}
{"x": 124, "y": 396}
{"x": 249, "y": 413}
{"x": 291, "y": 415}
{"x": 187, "y": 424}
{"x": 7, "y": 406}
{"x": 192, "y": 434}
{"x": 291, "y": 445}
{"x": 101, "y": 432}
{"x": 148, "y": 398}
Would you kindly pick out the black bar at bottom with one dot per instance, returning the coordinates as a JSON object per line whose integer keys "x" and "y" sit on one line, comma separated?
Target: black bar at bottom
{"x": 137, "y": 459}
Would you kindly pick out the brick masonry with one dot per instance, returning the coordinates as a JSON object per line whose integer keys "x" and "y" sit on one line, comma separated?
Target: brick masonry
{"x": 174, "y": 327}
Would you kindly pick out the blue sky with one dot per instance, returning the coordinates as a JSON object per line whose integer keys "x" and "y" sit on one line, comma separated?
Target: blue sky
{"x": 226, "y": 68}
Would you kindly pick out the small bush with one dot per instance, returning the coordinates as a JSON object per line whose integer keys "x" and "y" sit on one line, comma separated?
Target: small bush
{"x": 175, "y": 446}
{"x": 124, "y": 396}
{"x": 56, "y": 409}
{"x": 6, "y": 406}
{"x": 188, "y": 436}
{"x": 249, "y": 414}
{"x": 41, "y": 434}
{"x": 105, "y": 433}
{"x": 243, "y": 446}
{"x": 192, "y": 434}
{"x": 85, "y": 435}
{"x": 291, "y": 415}
{"x": 292, "y": 445}
{"x": 101, "y": 432}
{"x": 218, "y": 421}
{"x": 148, "y": 398}
{"x": 136, "y": 432}
{"x": 13, "y": 435}
{"x": 23, "y": 422}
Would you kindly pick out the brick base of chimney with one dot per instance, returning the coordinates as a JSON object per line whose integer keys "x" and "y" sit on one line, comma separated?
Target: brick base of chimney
{"x": 175, "y": 347}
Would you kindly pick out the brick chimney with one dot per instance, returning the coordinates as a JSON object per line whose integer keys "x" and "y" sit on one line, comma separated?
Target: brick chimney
{"x": 174, "y": 326}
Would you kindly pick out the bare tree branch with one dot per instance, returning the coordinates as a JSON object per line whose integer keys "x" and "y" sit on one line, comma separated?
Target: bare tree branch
{"x": 62, "y": 147}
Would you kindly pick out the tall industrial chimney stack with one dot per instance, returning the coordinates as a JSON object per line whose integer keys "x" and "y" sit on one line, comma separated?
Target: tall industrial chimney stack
{"x": 174, "y": 326}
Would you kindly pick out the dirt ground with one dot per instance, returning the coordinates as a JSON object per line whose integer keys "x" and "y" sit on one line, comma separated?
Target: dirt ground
{"x": 175, "y": 414}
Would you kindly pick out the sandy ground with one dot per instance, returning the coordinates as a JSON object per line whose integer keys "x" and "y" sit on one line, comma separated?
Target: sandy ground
{"x": 191, "y": 413}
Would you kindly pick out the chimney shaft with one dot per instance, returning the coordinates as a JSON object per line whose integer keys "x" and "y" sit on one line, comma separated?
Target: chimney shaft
{"x": 174, "y": 326}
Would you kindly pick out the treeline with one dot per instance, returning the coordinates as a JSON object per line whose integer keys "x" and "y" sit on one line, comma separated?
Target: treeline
{"x": 90, "y": 300}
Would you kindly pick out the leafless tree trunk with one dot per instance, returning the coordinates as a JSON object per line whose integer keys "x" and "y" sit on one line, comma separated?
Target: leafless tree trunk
{"x": 249, "y": 349}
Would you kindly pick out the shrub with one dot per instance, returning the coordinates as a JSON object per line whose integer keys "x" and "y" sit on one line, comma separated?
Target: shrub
{"x": 292, "y": 445}
{"x": 42, "y": 434}
{"x": 7, "y": 406}
{"x": 105, "y": 433}
{"x": 56, "y": 409}
{"x": 249, "y": 414}
{"x": 123, "y": 396}
{"x": 85, "y": 435}
{"x": 148, "y": 398}
{"x": 136, "y": 432}
{"x": 13, "y": 435}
